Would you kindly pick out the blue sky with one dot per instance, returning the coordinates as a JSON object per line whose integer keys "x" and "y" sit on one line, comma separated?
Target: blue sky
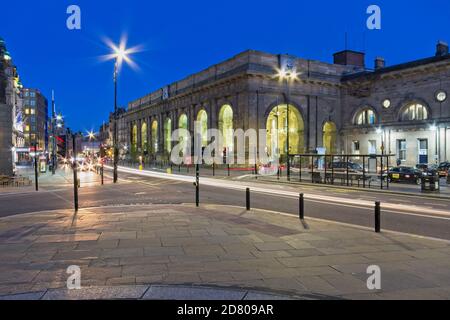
{"x": 183, "y": 37}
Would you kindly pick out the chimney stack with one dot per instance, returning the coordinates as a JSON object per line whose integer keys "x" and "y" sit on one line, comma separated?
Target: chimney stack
{"x": 441, "y": 49}
{"x": 349, "y": 58}
{"x": 379, "y": 63}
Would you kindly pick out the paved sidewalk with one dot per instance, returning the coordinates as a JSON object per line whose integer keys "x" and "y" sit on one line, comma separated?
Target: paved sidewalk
{"x": 221, "y": 246}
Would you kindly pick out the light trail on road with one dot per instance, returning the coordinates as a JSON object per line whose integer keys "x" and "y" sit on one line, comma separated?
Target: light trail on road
{"x": 363, "y": 204}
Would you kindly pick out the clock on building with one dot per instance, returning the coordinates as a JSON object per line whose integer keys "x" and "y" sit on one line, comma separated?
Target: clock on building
{"x": 441, "y": 96}
{"x": 386, "y": 103}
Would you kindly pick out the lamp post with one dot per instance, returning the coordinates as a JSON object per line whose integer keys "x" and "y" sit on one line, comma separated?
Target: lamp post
{"x": 116, "y": 150}
{"x": 53, "y": 134}
{"x": 120, "y": 54}
{"x": 288, "y": 74}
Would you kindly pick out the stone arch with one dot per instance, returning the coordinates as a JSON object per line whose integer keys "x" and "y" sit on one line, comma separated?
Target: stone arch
{"x": 329, "y": 137}
{"x": 144, "y": 141}
{"x": 134, "y": 137}
{"x": 202, "y": 119}
{"x": 278, "y": 120}
{"x": 155, "y": 136}
{"x": 226, "y": 126}
{"x": 167, "y": 135}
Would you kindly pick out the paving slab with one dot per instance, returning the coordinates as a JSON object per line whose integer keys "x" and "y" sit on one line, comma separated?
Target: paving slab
{"x": 123, "y": 251}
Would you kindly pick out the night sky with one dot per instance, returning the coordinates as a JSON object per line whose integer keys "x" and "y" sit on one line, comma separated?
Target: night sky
{"x": 183, "y": 37}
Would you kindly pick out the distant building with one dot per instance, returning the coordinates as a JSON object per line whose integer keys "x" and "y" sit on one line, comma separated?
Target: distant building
{"x": 35, "y": 110}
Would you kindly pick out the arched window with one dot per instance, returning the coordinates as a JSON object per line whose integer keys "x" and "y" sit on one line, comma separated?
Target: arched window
{"x": 329, "y": 137}
{"x": 167, "y": 134}
{"x": 155, "y": 136}
{"x": 134, "y": 134}
{"x": 365, "y": 117}
{"x": 226, "y": 126}
{"x": 277, "y": 125}
{"x": 144, "y": 141}
{"x": 202, "y": 118}
{"x": 415, "y": 111}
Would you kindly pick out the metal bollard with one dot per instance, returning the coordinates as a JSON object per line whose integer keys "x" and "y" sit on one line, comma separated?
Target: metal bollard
{"x": 301, "y": 207}
{"x": 197, "y": 185}
{"x": 247, "y": 198}
{"x": 214, "y": 169}
{"x": 377, "y": 217}
{"x": 228, "y": 169}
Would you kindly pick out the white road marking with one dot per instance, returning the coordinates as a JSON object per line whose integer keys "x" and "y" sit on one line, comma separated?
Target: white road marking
{"x": 410, "y": 209}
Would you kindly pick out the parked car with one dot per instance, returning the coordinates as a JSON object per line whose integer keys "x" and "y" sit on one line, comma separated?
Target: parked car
{"x": 342, "y": 166}
{"x": 405, "y": 174}
{"x": 427, "y": 169}
{"x": 443, "y": 169}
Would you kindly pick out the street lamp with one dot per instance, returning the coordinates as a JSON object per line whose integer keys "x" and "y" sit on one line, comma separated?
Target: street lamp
{"x": 120, "y": 54}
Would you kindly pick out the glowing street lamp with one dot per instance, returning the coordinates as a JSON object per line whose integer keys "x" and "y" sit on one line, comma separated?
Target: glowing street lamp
{"x": 120, "y": 54}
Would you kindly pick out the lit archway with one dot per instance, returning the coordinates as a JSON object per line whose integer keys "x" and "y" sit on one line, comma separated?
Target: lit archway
{"x": 183, "y": 124}
{"x": 329, "y": 137}
{"x": 155, "y": 136}
{"x": 277, "y": 125}
{"x": 226, "y": 126}
{"x": 144, "y": 141}
{"x": 202, "y": 119}
{"x": 134, "y": 133}
{"x": 167, "y": 133}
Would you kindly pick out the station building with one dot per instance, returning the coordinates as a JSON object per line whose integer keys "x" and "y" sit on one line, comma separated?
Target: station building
{"x": 334, "y": 108}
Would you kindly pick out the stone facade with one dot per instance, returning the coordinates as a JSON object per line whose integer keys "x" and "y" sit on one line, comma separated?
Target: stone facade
{"x": 323, "y": 94}
{"x": 6, "y": 124}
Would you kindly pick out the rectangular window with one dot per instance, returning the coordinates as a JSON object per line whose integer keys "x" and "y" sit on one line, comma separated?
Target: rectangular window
{"x": 372, "y": 147}
{"x": 32, "y": 94}
{"x": 401, "y": 149}
{"x": 32, "y": 111}
{"x": 27, "y": 128}
{"x": 423, "y": 144}
{"x": 27, "y": 111}
{"x": 356, "y": 146}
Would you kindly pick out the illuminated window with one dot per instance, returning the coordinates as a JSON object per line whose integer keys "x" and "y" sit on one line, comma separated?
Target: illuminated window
{"x": 276, "y": 125}
{"x": 365, "y": 117}
{"x": 32, "y": 111}
{"x": 27, "y": 128}
{"x": 144, "y": 137}
{"x": 167, "y": 133}
{"x": 155, "y": 136}
{"x": 27, "y": 111}
{"x": 202, "y": 118}
{"x": 226, "y": 126}
{"x": 414, "y": 112}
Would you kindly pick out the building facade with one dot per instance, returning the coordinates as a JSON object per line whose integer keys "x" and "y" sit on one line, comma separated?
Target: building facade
{"x": 11, "y": 118}
{"x": 35, "y": 110}
{"x": 338, "y": 108}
